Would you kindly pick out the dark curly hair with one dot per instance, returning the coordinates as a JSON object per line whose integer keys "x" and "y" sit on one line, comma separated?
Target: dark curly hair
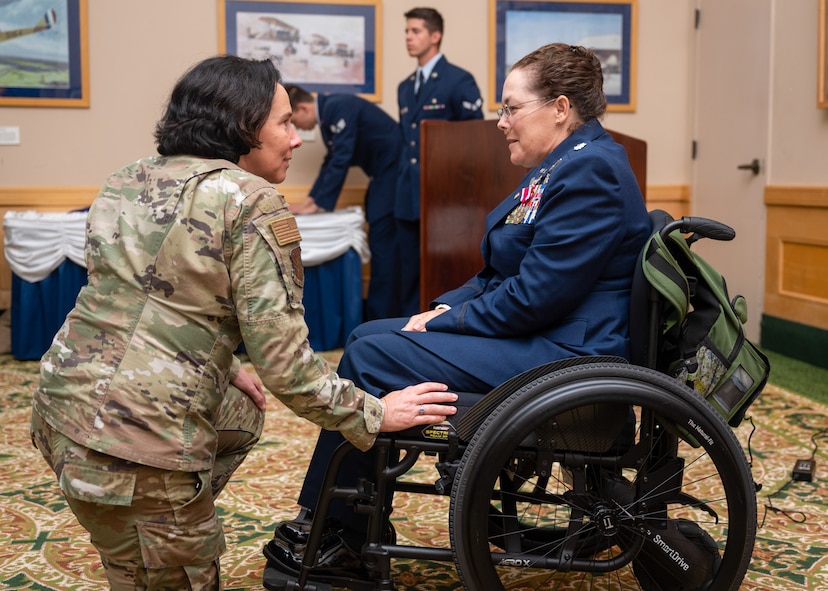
{"x": 571, "y": 70}
{"x": 217, "y": 108}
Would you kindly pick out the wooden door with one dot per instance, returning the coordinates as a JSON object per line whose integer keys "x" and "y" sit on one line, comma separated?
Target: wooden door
{"x": 732, "y": 122}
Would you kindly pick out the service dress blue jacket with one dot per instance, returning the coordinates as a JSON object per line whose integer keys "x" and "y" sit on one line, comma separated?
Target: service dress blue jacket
{"x": 357, "y": 132}
{"x": 449, "y": 94}
{"x": 559, "y": 256}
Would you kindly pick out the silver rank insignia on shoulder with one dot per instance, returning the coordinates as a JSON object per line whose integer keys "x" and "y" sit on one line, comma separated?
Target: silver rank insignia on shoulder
{"x": 475, "y": 106}
{"x": 338, "y": 126}
{"x": 580, "y": 146}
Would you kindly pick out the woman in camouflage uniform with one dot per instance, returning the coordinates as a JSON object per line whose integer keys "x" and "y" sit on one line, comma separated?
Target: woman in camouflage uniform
{"x": 189, "y": 253}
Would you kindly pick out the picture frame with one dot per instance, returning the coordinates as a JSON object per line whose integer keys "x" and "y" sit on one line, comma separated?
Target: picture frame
{"x": 44, "y": 49}
{"x": 609, "y": 27}
{"x": 822, "y": 55}
{"x": 321, "y": 45}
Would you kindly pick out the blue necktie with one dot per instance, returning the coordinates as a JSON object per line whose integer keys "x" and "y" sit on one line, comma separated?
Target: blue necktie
{"x": 420, "y": 82}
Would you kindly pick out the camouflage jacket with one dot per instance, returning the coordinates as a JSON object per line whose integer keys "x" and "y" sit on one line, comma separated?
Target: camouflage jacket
{"x": 186, "y": 258}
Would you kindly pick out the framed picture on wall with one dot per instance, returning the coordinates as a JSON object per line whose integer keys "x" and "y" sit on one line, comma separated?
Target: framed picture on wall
{"x": 822, "y": 56}
{"x": 322, "y": 45}
{"x": 44, "y": 54}
{"x": 608, "y": 27}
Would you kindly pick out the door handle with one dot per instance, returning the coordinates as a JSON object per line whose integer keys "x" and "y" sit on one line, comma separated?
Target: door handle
{"x": 754, "y": 167}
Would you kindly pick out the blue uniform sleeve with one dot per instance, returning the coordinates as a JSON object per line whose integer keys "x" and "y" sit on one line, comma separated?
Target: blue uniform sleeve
{"x": 342, "y": 122}
{"x": 466, "y": 101}
{"x": 471, "y": 288}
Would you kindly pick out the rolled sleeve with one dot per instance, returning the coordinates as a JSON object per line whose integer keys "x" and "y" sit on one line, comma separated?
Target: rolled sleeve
{"x": 373, "y": 412}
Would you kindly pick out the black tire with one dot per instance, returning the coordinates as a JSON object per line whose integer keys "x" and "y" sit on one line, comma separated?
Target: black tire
{"x": 644, "y": 454}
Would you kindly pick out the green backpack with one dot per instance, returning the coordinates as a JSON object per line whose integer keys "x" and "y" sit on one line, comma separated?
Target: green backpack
{"x": 703, "y": 343}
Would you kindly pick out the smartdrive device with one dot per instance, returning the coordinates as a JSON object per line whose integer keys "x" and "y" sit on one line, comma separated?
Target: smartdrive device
{"x": 804, "y": 470}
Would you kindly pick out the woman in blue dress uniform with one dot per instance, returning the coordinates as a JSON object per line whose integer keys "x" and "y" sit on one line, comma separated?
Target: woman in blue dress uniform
{"x": 559, "y": 255}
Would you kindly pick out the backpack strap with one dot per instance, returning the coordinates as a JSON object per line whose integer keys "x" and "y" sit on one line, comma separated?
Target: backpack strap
{"x": 664, "y": 273}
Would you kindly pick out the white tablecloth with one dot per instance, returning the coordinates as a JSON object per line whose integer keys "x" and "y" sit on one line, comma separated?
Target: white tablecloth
{"x": 36, "y": 243}
{"x": 327, "y": 236}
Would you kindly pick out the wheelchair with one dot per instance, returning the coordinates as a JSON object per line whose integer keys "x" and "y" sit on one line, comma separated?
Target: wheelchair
{"x": 577, "y": 475}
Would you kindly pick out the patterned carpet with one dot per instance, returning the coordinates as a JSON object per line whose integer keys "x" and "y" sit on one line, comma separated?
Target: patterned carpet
{"x": 42, "y": 548}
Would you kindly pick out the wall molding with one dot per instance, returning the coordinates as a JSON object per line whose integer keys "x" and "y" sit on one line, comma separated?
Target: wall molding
{"x": 56, "y": 196}
{"x": 796, "y": 255}
{"x": 796, "y": 196}
{"x": 350, "y": 195}
{"x": 674, "y": 199}
{"x": 53, "y": 198}
{"x": 795, "y": 340}
{"x": 70, "y": 197}
{"x": 670, "y": 193}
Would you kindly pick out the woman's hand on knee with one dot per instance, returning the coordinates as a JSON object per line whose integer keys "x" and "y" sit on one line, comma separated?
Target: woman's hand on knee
{"x": 421, "y": 404}
{"x": 251, "y": 385}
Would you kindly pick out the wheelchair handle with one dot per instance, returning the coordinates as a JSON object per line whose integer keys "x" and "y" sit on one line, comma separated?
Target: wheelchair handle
{"x": 701, "y": 228}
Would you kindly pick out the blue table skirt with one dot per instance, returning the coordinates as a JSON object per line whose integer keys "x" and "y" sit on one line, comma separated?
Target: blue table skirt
{"x": 38, "y": 309}
{"x": 333, "y": 301}
{"x": 333, "y": 304}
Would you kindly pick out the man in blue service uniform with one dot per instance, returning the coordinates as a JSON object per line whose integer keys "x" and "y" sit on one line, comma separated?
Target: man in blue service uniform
{"x": 357, "y": 133}
{"x": 437, "y": 90}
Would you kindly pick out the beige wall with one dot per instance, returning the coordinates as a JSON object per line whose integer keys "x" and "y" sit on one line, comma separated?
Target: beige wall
{"x": 138, "y": 49}
{"x": 798, "y": 151}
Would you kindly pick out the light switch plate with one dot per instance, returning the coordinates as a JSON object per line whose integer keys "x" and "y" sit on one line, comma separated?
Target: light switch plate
{"x": 9, "y": 136}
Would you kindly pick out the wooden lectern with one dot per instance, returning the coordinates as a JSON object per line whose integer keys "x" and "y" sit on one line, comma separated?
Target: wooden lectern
{"x": 465, "y": 173}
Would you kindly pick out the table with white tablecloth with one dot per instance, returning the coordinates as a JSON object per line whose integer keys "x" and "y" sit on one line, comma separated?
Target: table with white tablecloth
{"x": 45, "y": 253}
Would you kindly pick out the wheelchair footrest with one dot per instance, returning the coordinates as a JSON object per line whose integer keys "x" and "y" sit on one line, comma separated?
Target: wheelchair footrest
{"x": 276, "y": 580}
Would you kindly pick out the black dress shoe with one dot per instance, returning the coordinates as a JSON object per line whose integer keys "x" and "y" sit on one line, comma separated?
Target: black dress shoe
{"x": 296, "y": 532}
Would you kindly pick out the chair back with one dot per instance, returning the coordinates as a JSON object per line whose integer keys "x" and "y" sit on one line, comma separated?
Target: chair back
{"x": 646, "y": 307}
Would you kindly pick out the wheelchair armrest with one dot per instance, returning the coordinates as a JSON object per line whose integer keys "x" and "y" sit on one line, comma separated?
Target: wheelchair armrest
{"x": 465, "y": 401}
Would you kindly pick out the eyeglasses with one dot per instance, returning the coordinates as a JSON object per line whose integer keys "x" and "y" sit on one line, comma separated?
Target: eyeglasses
{"x": 509, "y": 110}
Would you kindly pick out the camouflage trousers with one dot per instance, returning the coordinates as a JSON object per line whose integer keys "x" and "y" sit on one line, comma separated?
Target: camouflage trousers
{"x": 155, "y": 530}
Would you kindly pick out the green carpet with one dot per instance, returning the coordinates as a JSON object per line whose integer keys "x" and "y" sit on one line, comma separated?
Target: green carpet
{"x": 42, "y": 548}
{"x": 798, "y": 376}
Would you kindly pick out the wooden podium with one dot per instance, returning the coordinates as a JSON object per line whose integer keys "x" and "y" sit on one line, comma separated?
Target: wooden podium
{"x": 465, "y": 173}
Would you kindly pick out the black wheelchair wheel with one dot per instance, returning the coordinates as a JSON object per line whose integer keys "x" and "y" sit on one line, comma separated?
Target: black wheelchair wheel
{"x": 603, "y": 476}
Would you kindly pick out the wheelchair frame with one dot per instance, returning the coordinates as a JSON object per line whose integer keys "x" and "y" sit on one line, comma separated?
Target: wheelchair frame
{"x": 591, "y": 463}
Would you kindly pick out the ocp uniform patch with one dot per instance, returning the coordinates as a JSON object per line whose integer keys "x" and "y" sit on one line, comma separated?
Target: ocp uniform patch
{"x": 298, "y": 268}
{"x": 285, "y": 230}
